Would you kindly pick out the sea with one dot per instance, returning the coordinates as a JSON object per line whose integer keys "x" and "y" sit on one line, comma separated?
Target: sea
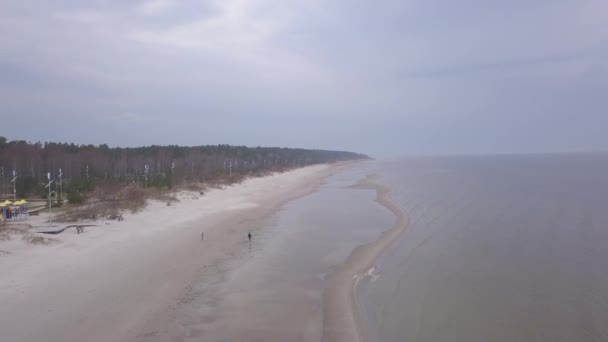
{"x": 504, "y": 248}
{"x": 497, "y": 248}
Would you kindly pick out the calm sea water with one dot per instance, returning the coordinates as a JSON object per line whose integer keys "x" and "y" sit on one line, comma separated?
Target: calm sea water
{"x": 498, "y": 249}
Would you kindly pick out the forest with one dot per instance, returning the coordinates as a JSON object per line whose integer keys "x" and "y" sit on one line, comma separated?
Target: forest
{"x": 80, "y": 168}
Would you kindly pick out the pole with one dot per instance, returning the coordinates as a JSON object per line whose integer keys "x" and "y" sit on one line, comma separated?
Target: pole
{"x": 172, "y": 173}
{"x": 14, "y": 181}
{"x": 60, "y": 186}
{"x": 50, "y": 203}
{"x": 48, "y": 176}
{"x": 146, "y": 170}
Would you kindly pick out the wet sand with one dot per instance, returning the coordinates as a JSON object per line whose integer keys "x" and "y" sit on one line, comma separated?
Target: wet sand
{"x": 274, "y": 289}
{"x": 341, "y": 320}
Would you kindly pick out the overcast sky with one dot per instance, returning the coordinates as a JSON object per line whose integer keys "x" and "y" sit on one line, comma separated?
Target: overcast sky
{"x": 380, "y": 77}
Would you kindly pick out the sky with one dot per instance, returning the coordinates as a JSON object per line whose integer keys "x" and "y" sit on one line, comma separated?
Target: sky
{"x": 381, "y": 77}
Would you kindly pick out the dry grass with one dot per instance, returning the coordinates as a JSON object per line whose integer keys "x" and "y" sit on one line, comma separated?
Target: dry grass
{"x": 163, "y": 196}
{"x": 83, "y": 213}
{"x": 8, "y": 232}
{"x": 195, "y": 187}
{"x": 38, "y": 240}
{"x": 110, "y": 202}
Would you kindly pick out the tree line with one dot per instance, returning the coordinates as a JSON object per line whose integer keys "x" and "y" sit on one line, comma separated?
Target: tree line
{"x": 79, "y": 168}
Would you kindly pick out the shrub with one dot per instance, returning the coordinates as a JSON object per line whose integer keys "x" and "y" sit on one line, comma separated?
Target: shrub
{"x": 74, "y": 196}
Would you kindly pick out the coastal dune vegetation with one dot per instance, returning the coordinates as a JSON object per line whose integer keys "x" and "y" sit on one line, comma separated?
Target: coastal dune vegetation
{"x": 84, "y": 166}
{"x": 107, "y": 178}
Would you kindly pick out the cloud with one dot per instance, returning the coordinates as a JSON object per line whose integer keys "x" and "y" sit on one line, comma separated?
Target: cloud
{"x": 232, "y": 29}
{"x": 404, "y": 75}
{"x": 530, "y": 62}
{"x": 152, "y": 7}
{"x": 86, "y": 17}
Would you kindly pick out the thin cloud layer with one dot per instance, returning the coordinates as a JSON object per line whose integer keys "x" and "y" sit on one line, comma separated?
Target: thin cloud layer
{"x": 388, "y": 77}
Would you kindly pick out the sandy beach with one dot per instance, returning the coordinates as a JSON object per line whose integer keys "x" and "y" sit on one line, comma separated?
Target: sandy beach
{"x": 341, "y": 319}
{"x": 119, "y": 277}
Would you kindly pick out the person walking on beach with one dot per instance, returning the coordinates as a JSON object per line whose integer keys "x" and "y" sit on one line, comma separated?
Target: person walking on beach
{"x": 249, "y": 236}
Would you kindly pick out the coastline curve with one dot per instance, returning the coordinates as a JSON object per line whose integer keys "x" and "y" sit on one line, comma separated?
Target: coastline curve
{"x": 341, "y": 321}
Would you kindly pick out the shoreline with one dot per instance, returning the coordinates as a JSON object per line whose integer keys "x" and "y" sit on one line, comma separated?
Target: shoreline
{"x": 123, "y": 281}
{"x": 166, "y": 325}
{"x": 341, "y": 317}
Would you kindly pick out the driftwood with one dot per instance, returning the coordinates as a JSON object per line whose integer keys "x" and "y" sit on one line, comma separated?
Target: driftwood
{"x": 116, "y": 217}
{"x": 80, "y": 227}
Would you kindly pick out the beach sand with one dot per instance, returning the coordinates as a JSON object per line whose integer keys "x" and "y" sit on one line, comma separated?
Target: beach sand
{"x": 274, "y": 289}
{"x": 119, "y": 278}
{"x": 341, "y": 319}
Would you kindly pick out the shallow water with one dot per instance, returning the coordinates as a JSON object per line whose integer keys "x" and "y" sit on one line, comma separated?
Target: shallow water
{"x": 497, "y": 249}
{"x": 272, "y": 291}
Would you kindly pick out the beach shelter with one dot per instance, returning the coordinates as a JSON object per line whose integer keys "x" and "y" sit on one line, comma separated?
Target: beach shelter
{"x": 14, "y": 211}
{"x": 24, "y": 205}
{"x": 19, "y": 209}
{"x": 24, "y": 210}
{"x": 5, "y": 209}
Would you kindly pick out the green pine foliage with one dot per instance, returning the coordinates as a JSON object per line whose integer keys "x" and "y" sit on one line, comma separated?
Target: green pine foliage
{"x": 86, "y": 166}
